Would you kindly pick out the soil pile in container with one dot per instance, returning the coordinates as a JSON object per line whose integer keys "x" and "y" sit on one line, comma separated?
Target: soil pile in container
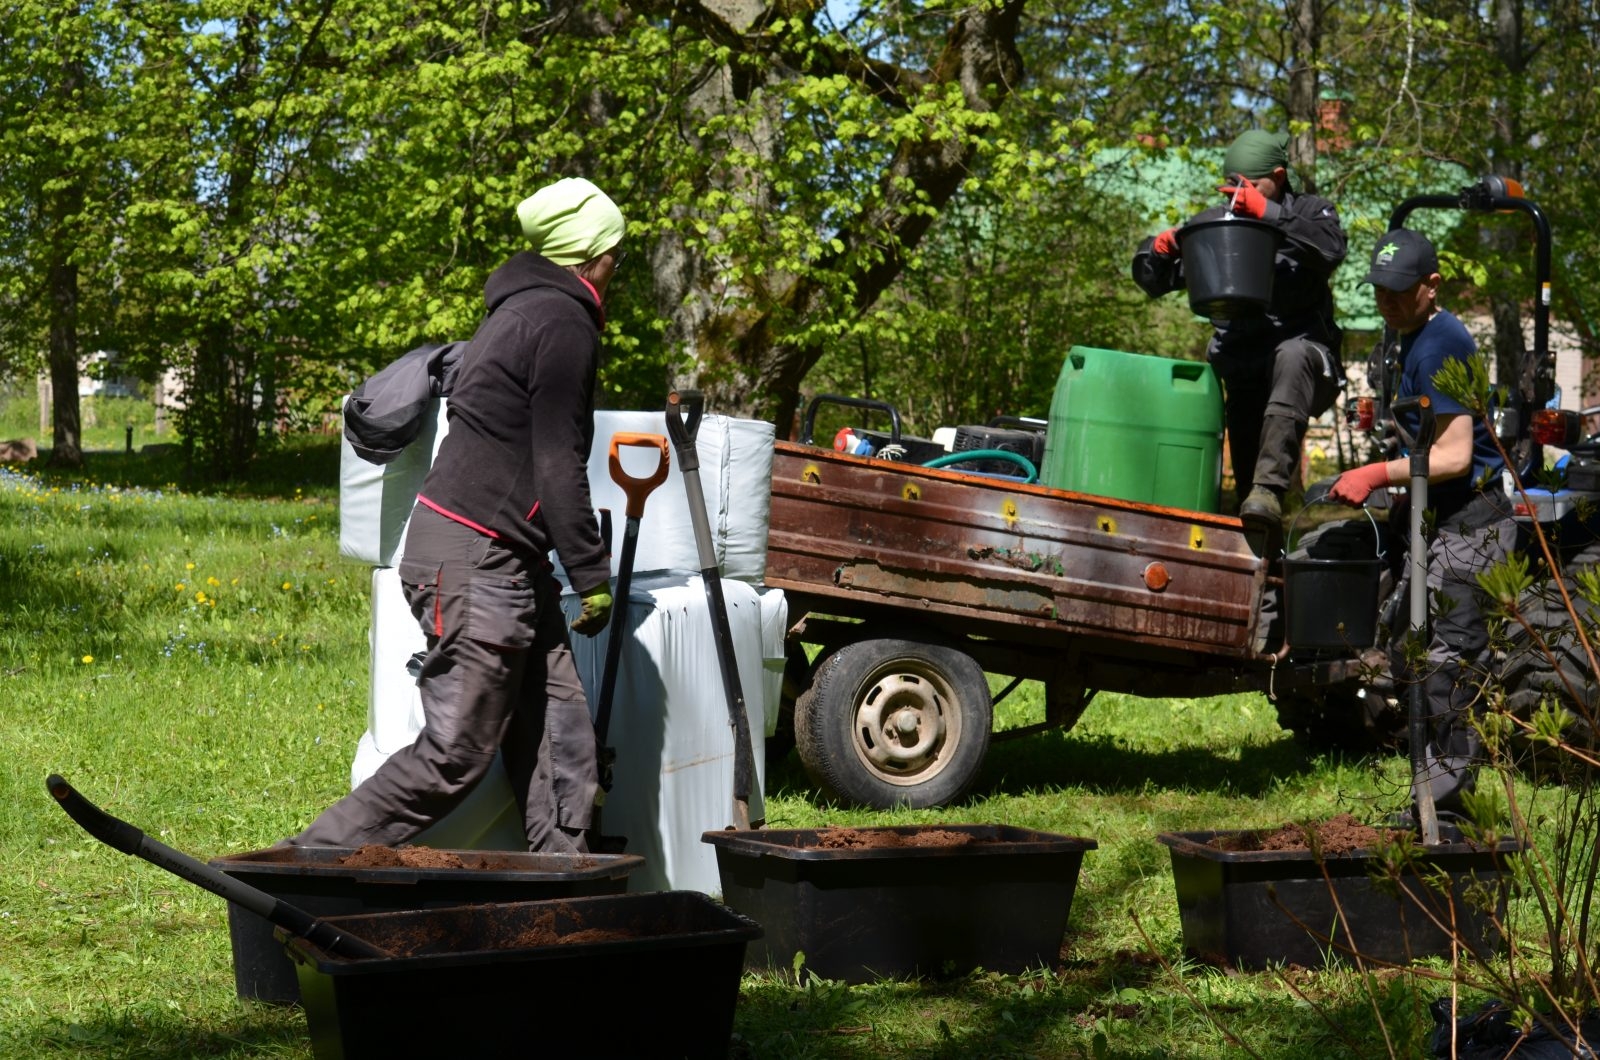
{"x": 875, "y": 839}
{"x": 374, "y": 856}
{"x": 544, "y": 932}
{"x": 1335, "y": 837}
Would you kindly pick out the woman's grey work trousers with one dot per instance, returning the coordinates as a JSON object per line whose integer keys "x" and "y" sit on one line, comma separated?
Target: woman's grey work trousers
{"x": 498, "y": 674}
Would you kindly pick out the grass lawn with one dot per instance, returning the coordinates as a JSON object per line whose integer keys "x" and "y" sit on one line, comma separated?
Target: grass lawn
{"x": 196, "y": 663}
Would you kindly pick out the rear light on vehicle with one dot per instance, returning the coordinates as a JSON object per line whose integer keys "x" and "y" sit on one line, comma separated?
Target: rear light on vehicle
{"x": 1561, "y": 428}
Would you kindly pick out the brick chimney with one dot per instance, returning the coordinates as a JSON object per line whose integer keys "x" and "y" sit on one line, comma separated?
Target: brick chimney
{"x": 1333, "y": 123}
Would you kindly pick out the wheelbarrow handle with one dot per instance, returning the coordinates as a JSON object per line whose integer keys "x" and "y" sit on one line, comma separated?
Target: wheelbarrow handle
{"x": 638, "y": 489}
{"x": 683, "y": 428}
{"x": 120, "y": 835}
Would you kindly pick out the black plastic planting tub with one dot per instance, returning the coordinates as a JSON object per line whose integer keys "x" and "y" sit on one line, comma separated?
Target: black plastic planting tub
{"x": 997, "y": 898}
{"x": 1253, "y": 908}
{"x": 526, "y": 979}
{"x": 314, "y": 879}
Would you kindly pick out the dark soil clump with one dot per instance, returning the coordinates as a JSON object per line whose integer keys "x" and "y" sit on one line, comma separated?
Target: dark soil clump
{"x": 879, "y": 839}
{"x": 374, "y": 856}
{"x": 543, "y": 932}
{"x": 1335, "y": 837}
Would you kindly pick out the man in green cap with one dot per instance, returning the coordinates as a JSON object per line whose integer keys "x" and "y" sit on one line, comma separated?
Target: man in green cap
{"x": 1279, "y": 366}
{"x": 508, "y": 485}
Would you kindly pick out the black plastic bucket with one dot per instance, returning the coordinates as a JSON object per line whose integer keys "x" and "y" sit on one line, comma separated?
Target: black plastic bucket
{"x": 997, "y": 897}
{"x": 1228, "y": 264}
{"x": 1255, "y": 909}
{"x": 1332, "y": 603}
{"x": 317, "y": 880}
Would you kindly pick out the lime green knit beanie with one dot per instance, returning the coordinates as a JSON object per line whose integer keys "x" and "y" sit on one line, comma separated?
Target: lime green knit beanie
{"x": 571, "y": 221}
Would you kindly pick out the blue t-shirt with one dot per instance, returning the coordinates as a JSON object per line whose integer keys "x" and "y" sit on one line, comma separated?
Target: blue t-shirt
{"x": 1422, "y": 353}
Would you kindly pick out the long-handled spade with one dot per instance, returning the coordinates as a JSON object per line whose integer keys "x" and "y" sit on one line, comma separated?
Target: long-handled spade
{"x": 636, "y": 490}
{"x": 125, "y": 837}
{"x": 683, "y": 428}
{"x": 1417, "y": 729}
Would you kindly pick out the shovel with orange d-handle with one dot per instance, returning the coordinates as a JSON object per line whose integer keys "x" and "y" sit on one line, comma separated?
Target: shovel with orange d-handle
{"x": 636, "y": 490}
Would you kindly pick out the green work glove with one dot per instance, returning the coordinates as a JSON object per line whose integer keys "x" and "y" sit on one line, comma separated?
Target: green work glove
{"x": 596, "y": 611}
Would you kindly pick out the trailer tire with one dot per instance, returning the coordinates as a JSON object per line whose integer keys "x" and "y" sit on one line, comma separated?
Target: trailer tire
{"x": 890, "y": 722}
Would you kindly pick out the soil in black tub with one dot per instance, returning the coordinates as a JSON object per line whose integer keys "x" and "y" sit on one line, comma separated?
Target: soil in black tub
{"x": 373, "y": 856}
{"x": 1334, "y": 837}
{"x": 376, "y": 856}
{"x": 876, "y": 839}
{"x": 559, "y": 925}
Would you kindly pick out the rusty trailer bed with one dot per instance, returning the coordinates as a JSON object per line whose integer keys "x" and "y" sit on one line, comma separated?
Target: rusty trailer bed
{"x": 995, "y": 558}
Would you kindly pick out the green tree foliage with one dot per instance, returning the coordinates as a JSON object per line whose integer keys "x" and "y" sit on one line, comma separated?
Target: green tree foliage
{"x": 64, "y": 79}
{"x": 276, "y": 196}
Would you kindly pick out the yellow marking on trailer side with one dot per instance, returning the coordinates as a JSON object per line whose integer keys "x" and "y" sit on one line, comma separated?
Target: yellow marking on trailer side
{"x": 1008, "y": 511}
{"x": 1107, "y": 524}
{"x": 911, "y": 492}
{"x": 1197, "y": 537}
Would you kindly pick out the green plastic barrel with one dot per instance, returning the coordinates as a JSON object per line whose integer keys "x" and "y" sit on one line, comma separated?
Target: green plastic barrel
{"x": 1136, "y": 427}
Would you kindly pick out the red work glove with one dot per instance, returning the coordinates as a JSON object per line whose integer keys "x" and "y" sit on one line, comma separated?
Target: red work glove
{"x": 1354, "y": 485}
{"x": 1166, "y": 244}
{"x": 1250, "y": 201}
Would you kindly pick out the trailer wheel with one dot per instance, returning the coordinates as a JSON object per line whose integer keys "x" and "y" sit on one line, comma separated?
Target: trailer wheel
{"x": 892, "y": 722}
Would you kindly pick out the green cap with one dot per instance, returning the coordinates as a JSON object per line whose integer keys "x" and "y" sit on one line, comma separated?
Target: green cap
{"x": 1257, "y": 153}
{"x": 571, "y": 221}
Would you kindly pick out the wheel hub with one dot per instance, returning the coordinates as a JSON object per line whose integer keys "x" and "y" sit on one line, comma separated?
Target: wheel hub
{"x": 901, "y": 724}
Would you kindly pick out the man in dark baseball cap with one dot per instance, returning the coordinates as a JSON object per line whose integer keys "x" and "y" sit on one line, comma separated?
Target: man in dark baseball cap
{"x": 1400, "y": 259}
{"x": 1473, "y": 529}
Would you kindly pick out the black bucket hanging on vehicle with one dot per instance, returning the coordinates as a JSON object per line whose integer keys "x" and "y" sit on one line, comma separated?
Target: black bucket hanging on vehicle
{"x": 1331, "y": 602}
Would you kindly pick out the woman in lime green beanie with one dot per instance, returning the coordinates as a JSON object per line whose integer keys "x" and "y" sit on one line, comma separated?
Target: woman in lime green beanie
{"x": 507, "y": 487}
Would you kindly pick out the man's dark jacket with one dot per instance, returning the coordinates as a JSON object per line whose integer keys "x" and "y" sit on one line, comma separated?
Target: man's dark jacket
{"x": 1302, "y": 301}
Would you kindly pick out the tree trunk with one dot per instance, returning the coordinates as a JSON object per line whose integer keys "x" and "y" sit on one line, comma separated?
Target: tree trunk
{"x": 66, "y": 434}
{"x": 220, "y": 413}
{"x": 65, "y": 205}
{"x": 1506, "y": 139}
{"x": 1305, "y": 44}
{"x": 736, "y": 353}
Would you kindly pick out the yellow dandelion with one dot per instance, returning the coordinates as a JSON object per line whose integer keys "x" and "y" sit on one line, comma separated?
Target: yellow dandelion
{"x": 200, "y": 597}
{"x": 287, "y": 586}
{"x": 213, "y": 582}
{"x": 87, "y": 659}
{"x": 188, "y": 566}
{"x": 180, "y": 587}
